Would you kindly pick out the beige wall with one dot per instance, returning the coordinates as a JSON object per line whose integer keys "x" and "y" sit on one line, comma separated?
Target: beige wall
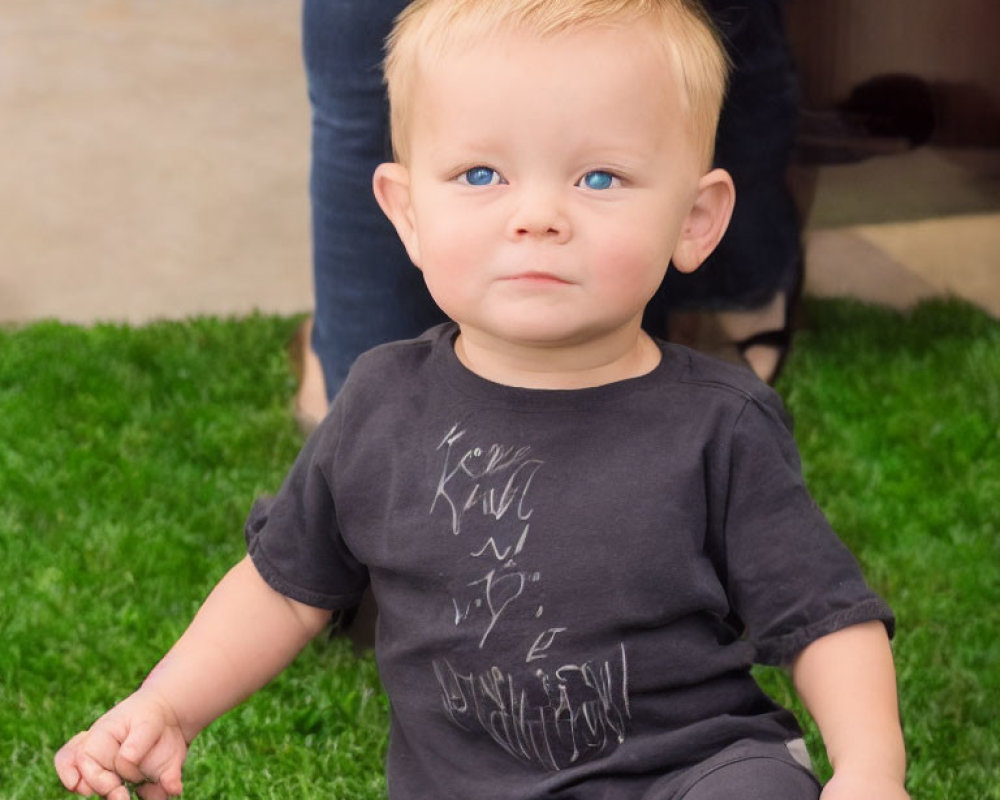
{"x": 155, "y": 159}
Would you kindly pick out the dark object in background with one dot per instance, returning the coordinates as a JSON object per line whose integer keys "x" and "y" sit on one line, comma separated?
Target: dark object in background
{"x": 885, "y": 115}
{"x": 893, "y": 106}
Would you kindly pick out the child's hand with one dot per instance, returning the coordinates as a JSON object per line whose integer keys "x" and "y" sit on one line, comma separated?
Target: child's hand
{"x": 850, "y": 786}
{"x": 139, "y": 741}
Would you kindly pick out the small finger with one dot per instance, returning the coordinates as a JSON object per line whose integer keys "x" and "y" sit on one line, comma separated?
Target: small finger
{"x": 97, "y": 753}
{"x": 129, "y": 770}
{"x": 164, "y": 762}
{"x": 100, "y": 779}
{"x": 120, "y": 793}
{"x": 65, "y": 763}
{"x": 140, "y": 741}
{"x": 171, "y": 781}
{"x": 153, "y": 791}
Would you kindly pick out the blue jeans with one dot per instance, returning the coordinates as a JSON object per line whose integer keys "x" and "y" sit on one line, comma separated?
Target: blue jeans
{"x": 367, "y": 291}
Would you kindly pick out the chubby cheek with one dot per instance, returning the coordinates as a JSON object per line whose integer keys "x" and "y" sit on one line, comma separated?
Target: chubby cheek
{"x": 632, "y": 271}
{"x": 449, "y": 269}
{"x": 446, "y": 295}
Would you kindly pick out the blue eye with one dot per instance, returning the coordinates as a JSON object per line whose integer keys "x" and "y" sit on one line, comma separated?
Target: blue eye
{"x": 480, "y": 176}
{"x": 598, "y": 180}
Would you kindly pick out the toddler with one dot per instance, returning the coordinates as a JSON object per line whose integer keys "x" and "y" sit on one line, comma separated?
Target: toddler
{"x": 580, "y": 539}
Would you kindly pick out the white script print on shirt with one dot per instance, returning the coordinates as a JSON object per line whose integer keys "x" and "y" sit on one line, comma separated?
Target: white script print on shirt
{"x": 552, "y": 716}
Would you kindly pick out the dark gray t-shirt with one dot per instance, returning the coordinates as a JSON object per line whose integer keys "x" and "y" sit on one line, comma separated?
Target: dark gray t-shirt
{"x": 572, "y": 585}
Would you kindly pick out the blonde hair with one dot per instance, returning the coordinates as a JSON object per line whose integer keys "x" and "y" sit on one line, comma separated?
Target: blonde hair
{"x": 427, "y": 29}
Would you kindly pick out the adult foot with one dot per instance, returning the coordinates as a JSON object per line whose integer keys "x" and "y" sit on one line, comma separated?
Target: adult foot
{"x": 758, "y": 338}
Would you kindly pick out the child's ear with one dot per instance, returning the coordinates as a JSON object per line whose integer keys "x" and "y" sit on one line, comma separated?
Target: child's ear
{"x": 706, "y": 222}
{"x": 391, "y": 184}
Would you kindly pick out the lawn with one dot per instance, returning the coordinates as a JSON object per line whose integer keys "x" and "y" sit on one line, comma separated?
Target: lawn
{"x": 129, "y": 458}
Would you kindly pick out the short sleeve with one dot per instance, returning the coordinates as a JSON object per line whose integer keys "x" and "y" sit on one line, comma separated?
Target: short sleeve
{"x": 790, "y": 578}
{"x": 293, "y": 538}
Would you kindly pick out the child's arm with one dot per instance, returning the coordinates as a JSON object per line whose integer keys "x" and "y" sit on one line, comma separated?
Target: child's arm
{"x": 848, "y": 683}
{"x": 243, "y": 635}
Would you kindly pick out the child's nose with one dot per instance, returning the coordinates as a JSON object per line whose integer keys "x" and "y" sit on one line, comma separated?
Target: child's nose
{"x": 539, "y": 214}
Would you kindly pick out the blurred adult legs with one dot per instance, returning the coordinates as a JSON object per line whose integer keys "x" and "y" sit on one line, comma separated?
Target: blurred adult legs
{"x": 367, "y": 291}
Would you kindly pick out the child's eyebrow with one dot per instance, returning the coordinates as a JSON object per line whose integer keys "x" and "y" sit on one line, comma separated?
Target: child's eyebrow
{"x": 470, "y": 153}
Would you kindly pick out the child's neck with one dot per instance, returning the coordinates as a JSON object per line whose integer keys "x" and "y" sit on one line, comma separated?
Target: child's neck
{"x": 559, "y": 367}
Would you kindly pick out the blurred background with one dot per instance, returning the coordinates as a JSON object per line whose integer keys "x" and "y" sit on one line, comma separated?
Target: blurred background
{"x": 155, "y": 155}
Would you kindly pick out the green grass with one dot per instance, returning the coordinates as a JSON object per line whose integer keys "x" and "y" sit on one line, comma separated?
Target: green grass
{"x": 129, "y": 458}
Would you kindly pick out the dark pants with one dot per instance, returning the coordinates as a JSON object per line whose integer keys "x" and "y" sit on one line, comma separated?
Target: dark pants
{"x": 367, "y": 291}
{"x": 746, "y": 770}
